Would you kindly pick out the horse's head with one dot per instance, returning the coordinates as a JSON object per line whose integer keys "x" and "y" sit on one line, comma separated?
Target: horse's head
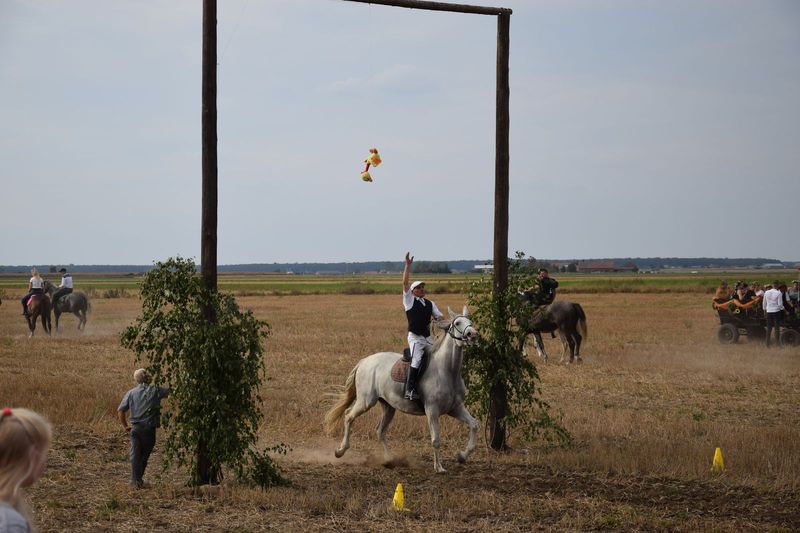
{"x": 461, "y": 328}
{"x": 49, "y": 287}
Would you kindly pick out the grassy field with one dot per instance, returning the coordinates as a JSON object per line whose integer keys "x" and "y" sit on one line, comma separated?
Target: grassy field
{"x": 244, "y": 284}
{"x": 655, "y": 396}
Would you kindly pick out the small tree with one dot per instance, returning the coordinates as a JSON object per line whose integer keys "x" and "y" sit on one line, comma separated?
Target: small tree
{"x": 213, "y": 369}
{"x": 496, "y": 367}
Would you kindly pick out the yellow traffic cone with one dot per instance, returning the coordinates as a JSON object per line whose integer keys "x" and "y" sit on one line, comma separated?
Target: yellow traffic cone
{"x": 398, "y": 502}
{"x": 718, "y": 464}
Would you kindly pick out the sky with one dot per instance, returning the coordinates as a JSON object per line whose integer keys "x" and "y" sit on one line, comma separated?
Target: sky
{"x": 638, "y": 129}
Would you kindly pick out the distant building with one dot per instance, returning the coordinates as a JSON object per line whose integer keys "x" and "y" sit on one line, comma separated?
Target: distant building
{"x": 484, "y": 268}
{"x": 772, "y": 265}
{"x": 586, "y": 267}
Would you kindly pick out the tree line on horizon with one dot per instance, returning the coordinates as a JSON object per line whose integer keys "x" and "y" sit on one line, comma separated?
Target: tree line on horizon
{"x": 421, "y": 266}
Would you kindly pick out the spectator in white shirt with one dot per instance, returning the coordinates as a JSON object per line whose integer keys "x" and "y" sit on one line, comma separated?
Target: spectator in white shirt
{"x": 773, "y": 307}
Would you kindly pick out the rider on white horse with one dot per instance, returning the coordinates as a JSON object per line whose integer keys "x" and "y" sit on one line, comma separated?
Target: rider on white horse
{"x": 418, "y": 312}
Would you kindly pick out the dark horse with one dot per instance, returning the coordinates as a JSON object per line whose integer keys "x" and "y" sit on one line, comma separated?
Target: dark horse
{"x": 565, "y": 317}
{"x": 76, "y": 303}
{"x": 38, "y": 305}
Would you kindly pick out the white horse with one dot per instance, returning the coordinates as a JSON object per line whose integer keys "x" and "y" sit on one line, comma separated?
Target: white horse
{"x": 441, "y": 388}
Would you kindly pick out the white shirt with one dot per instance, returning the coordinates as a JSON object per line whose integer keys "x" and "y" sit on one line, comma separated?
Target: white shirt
{"x": 37, "y": 283}
{"x": 66, "y": 281}
{"x": 773, "y": 301}
{"x": 408, "y": 303}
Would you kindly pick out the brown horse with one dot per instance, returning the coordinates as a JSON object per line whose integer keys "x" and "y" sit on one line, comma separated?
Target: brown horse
{"x": 38, "y": 305}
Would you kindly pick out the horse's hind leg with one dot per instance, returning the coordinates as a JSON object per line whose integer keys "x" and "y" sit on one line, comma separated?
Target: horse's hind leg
{"x": 462, "y": 414}
{"x": 358, "y": 408}
{"x": 58, "y": 315}
{"x": 383, "y": 425}
{"x": 578, "y": 339}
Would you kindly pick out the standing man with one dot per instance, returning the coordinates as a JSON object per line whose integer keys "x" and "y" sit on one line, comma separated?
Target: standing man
{"x": 65, "y": 287}
{"x": 144, "y": 403}
{"x": 773, "y": 307}
{"x": 418, "y": 312}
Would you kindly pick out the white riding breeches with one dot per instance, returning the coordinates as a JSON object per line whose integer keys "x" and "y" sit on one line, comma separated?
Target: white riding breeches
{"x": 417, "y": 344}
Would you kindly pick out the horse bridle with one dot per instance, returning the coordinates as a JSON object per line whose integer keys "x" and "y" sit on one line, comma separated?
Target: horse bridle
{"x": 462, "y": 333}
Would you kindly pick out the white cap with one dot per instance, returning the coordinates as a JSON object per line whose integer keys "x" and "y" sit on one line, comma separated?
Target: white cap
{"x": 416, "y": 284}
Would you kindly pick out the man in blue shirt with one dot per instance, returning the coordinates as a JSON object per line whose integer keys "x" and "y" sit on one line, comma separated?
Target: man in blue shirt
{"x": 144, "y": 403}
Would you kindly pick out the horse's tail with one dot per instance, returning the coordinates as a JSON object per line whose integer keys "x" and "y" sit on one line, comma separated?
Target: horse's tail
{"x": 582, "y": 321}
{"x": 47, "y": 309}
{"x": 346, "y": 398}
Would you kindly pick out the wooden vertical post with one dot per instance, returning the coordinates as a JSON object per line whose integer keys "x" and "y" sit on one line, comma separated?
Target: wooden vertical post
{"x": 501, "y": 157}
{"x": 208, "y": 245}
{"x": 208, "y": 230}
{"x": 499, "y": 400}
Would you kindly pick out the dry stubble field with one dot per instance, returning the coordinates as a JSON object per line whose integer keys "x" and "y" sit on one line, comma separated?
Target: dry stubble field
{"x": 655, "y": 395}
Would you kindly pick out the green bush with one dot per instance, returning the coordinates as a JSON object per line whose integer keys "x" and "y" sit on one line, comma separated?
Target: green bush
{"x": 496, "y": 365}
{"x": 213, "y": 368}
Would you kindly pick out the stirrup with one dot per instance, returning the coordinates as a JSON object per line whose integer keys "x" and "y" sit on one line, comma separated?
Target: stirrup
{"x": 411, "y": 395}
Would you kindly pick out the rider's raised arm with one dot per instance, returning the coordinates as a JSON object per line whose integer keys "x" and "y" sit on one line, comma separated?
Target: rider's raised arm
{"x": 407, "y": 271}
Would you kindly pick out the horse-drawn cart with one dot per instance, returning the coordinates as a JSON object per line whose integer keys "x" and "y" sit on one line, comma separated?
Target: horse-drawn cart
{"x": 737, "y": 319}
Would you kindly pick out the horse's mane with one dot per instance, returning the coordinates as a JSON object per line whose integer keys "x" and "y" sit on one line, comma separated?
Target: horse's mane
{"x": 440, "y": 337}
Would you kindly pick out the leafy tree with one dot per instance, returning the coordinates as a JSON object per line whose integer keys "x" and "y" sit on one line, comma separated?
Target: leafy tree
{"x": 496, "y": 366}
{"x": 214, "y": 371}
{"x": 430, "y": 267}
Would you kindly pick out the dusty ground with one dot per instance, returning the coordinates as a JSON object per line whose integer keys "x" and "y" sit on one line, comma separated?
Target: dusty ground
{"x": 655, "y": 395}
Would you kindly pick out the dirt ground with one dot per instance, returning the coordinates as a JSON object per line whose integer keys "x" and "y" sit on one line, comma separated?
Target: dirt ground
{"x": 653, "y": 398}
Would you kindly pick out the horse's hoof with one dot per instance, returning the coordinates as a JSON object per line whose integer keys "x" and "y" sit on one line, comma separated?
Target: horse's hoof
{"x": 441, "y": 470}
{"x": 338, "y": 453}
{"x": 462, "y": 457}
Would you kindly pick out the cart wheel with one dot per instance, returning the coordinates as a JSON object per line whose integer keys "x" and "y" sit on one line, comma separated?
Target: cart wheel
{"x": 728, "y": 334}
{"x": 790, "y": 337}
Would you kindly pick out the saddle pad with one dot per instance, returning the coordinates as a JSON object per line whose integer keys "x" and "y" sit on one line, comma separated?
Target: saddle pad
{"x": 400, "y": 370}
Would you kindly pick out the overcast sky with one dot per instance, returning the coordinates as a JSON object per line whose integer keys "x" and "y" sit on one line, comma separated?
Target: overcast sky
{"x": 638, "y": 128}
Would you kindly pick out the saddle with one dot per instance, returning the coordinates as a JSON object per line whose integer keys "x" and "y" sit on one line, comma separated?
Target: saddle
{"x": 400, "y": 368}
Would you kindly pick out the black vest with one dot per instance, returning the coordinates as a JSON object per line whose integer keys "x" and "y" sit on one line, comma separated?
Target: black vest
{"x": 419, "y": 318}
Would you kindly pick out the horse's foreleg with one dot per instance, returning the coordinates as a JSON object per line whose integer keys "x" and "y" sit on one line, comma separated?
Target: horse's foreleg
{"x": 58, "y": 315}
{"x": 433, "y": 424}
{"x": 462, "y": 414}
{"x": 537, "y": 337}
{"x": 383, "y": 425}
{"x": 354, "y": 411}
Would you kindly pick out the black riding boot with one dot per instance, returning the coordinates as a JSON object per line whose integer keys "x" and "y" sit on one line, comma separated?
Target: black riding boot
{"x": 411, "y": 384}
{"x": 24, "y": 309}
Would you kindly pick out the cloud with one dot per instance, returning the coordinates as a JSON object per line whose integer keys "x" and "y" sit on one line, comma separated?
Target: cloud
{"x": 394, "y": 78}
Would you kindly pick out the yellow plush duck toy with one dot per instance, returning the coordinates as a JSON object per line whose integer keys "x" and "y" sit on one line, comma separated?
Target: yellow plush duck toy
{"x": 373, "y": 159}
